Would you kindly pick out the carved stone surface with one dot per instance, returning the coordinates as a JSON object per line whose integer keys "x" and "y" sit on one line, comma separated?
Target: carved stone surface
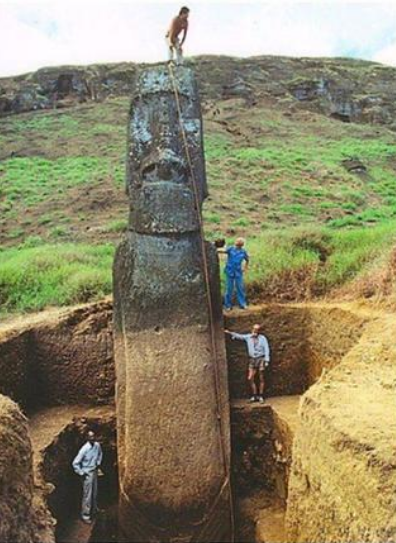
{"x": 173, "y": 421}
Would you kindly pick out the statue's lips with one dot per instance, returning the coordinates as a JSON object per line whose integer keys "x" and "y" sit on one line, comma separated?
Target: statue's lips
{"x": 164, "y": 186}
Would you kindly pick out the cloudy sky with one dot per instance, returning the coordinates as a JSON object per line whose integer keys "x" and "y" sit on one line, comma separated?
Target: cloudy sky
{"x": 33, "y": 35}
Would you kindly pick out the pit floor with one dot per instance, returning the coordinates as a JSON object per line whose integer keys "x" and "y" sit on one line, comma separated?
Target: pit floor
{"x": 261, "y": 509}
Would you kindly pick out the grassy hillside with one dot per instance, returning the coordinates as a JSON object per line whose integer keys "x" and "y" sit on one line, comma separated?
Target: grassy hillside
{"x": 276, "y": 175}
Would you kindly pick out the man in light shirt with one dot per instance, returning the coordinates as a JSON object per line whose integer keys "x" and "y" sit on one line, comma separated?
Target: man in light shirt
{"x": 259, "y": 357}
{"x": 86, "y": 465}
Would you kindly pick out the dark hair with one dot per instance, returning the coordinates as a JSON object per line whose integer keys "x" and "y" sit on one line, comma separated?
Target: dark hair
{"x": 183, "y": 10}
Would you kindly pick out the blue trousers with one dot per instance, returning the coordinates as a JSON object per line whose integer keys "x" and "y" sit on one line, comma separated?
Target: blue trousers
{"x": 235, "y": 282}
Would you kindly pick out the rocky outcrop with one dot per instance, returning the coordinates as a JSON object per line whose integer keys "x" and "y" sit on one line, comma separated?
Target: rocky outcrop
{"x": 344, "y": 462}
{"x": 345, "y": 89}
{"x": 171, "y": 387}
{"x": 63, "y": 87}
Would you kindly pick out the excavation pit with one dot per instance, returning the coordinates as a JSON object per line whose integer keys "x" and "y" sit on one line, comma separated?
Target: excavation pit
{"x": 309, "y": 342}
{"x": 57, "y": 434}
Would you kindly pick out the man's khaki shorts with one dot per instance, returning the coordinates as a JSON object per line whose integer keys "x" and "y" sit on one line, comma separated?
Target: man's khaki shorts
{"x": 257, "y": 363}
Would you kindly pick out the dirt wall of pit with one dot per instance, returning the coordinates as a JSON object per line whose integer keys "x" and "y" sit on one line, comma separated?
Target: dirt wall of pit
{"x": 304, "y": 340}
{"x": 343, "y": 478}
{"x": 53, "y": 461}
{"x": 22, "y": 518}
{"x": 67, "y": 357}
{"x": 261, "y": 438}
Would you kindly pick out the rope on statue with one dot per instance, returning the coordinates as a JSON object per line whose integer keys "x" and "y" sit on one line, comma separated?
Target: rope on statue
{"x": 227, "y": 481}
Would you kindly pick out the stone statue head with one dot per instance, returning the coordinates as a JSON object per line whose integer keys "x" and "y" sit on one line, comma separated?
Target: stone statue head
{"x": 160, "y": 174}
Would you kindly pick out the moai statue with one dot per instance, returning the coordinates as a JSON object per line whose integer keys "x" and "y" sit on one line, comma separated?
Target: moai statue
{"x": 172, "y": 391}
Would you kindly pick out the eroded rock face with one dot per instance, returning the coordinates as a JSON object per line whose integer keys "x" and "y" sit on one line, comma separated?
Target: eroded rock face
{"x": 172, "y": 417}
{"x": 349, "y": 90}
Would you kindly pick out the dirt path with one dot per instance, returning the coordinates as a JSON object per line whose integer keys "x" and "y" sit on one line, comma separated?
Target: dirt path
{"x": 76, "y": 532}
{"x": 286, "y": 407}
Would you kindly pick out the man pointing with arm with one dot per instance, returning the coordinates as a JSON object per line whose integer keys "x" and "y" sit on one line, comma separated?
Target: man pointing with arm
{"x": 259, "y": 357}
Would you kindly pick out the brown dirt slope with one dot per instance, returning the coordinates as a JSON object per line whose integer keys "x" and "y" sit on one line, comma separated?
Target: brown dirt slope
{"x": 59, "y": 357}
{"x": 23, "y": 519}
{"x": 342, "y": 486}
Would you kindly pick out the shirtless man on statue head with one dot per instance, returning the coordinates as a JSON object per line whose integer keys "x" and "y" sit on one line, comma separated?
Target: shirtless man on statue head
{"x": 178, "y": 25}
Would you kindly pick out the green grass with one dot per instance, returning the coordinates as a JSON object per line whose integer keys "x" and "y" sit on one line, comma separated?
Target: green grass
{"x": 34, "y": 276}
{"x": 301, "y": 168}
{"x": 290, "y": 172}
{"x": 32, "y": 180}
{"x": 272, "y": 178}
{"x": 333, "y": 257}
{"x": 118, "y": 225}
{"x": 213, "y": 218}
{"x": 53, "y": 275}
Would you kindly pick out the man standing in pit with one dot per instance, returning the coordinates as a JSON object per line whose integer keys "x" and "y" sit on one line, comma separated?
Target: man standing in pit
{"x": 86, "y": 465}
{"x": 178, "y": 25}
{"x": 259, "y": 357}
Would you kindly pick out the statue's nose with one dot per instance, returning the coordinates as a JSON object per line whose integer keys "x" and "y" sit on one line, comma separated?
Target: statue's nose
{"x": 169, "y": 171}
{"x": 164, "y": 170}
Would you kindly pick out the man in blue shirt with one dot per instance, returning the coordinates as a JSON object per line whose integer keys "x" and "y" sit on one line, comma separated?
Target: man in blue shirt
{"x": 259, "y": 357}
{"x": 234, "y": 271}
{"x": 86, "y": 464}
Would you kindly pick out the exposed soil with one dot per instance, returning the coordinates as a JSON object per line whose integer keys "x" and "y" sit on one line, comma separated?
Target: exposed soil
{"x": 262, "y": 437}
{"x": 341, "y": 347}
{"x": 343, "y": 473}
{"x": 58, "y": 358}
{"x": 57, "y": 434}
{"x": 305, "y": 339}
{"x": 23, "y": 515}
{"x": 66, "y": 356}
